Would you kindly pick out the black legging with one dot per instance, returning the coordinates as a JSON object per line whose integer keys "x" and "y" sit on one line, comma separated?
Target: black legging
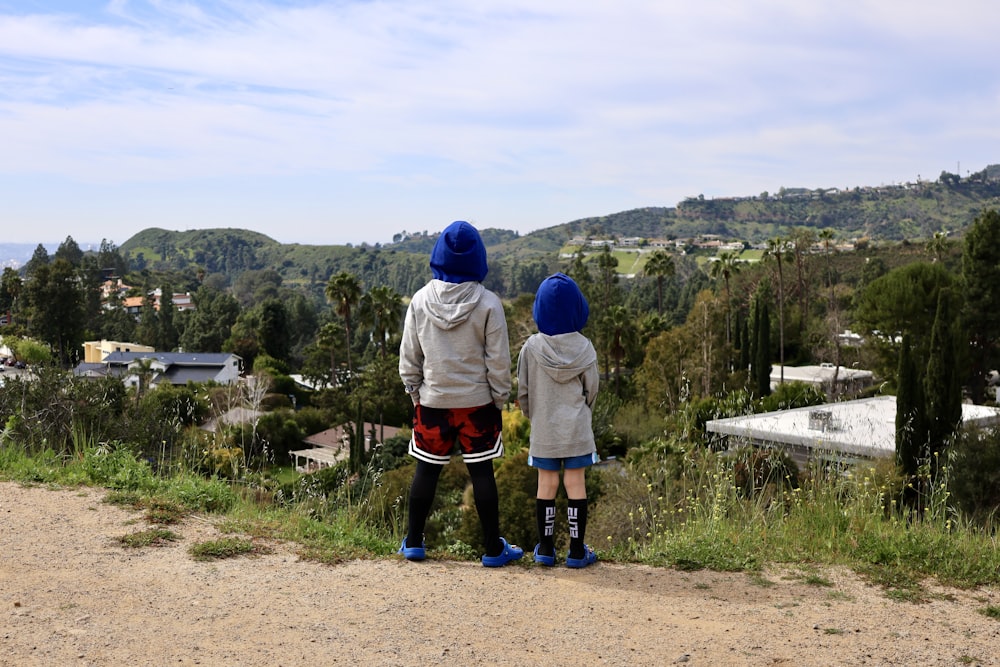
{"x": 484, "y": 490}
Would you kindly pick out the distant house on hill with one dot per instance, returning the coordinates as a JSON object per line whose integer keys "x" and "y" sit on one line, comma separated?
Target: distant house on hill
{"x": 177, "y": 368}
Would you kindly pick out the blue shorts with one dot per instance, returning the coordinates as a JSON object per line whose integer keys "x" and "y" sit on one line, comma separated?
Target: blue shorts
{"x": 569, "y": 463}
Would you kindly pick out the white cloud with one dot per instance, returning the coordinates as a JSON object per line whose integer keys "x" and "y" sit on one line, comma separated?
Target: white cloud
{"x": 536, "y": 105}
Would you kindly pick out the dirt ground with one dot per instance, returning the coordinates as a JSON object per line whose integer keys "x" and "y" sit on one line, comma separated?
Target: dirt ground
{"x": 70, "y": 594}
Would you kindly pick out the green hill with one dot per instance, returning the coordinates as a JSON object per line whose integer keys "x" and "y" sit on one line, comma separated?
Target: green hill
{"x": 893, "y": 213}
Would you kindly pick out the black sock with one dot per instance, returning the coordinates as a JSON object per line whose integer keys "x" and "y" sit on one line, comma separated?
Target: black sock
{"x": 545, "y": 515}
{"x": 577, "y": 515}
{"x": 484, "y": 490}
{"x": 422, "y": 492}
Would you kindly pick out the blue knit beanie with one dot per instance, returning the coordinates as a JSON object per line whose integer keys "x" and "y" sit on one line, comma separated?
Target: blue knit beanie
{"x": 560, "y": 306}
{"x": 459, "y": 254}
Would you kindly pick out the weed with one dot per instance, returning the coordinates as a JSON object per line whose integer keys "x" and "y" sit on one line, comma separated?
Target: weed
{"x": 992, "y": 611}
{"x": 840, "y": 595}
{"x": 757, "y": 579}
{"x": 154, "y": 537}
{"x": 226, "y": 547}
{"x": 817, "y": 580}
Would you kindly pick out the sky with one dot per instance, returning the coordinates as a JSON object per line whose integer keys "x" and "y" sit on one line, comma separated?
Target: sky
{"x": 352, "y": 121}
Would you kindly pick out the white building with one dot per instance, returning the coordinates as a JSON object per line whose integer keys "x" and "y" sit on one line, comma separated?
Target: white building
{"x": 832, "y": 380}
{"x": 847, "y": 430}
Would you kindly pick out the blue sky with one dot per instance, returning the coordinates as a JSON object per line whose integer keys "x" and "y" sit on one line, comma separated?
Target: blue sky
{"x": 347, "y": 122}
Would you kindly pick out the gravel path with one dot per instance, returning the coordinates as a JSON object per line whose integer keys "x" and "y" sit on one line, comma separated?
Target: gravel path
{"x": 70, "y": 594}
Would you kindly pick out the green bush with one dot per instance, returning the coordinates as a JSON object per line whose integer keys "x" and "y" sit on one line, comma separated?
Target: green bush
{"x": 115, "y": 467}
{"x": 764, "y": 472}
{"x": 792, "y": 395}
{"x": 974, "y": 475}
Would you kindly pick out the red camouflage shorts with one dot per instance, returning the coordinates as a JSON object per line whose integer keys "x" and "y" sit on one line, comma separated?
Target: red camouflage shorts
{"x": 476, "y": 431}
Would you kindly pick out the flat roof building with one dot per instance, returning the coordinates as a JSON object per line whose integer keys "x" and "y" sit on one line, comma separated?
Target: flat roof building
{"x": 834, "y": 381}
{"x": 859, "y": 429}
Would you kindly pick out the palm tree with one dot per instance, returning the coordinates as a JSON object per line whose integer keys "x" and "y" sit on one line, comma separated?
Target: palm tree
{"x": 802, "y": 241}
{"x": 659, "y": 265}
{"x": 725, "y": 266}
{"x": 382, "y": 310}
{"x": 143, "y": 370}
{"x": 937, "y": 245}
{"x": 621, "y": 335}
{"x": 779, "y": 249}
{"x": 606, "y": 265}
{"x": 826, "y": 237}
{"x": 326, "y": 339}
{"x": 344, "y": 292}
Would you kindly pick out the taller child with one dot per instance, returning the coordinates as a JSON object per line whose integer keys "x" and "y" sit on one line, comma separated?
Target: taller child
{"x": 454, "y": 361}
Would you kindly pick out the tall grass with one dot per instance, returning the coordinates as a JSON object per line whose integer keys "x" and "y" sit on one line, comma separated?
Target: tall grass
{"x": 668, "y": 506}
{"x": 862, "y": 517}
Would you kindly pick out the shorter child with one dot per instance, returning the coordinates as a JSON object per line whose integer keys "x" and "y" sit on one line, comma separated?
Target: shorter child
{"x": 557, "y": 384}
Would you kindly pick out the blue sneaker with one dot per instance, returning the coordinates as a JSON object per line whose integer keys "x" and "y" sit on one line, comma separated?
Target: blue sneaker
{"x": 547, "y": 561}
{"x": 510, "y": 553}
{"x": 413, "y": 553}
{"x": 589, "y": 558}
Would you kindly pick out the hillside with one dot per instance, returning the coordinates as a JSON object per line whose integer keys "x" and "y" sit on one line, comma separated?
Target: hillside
{"x": 892, "y": 213}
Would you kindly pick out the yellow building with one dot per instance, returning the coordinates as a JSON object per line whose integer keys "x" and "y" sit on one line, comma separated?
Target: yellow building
{"x": 94, "y": 351}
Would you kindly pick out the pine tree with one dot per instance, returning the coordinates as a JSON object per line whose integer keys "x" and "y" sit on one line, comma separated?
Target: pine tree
{"x": 911, "y": 431}
{"x": 942, "y": 385}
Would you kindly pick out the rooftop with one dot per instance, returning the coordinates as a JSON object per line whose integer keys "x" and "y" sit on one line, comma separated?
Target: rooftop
{"x": 864, "y": 428}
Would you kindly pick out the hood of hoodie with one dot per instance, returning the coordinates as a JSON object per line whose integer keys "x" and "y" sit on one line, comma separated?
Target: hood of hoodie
{"x": 449, "y": 304}
{"x": 563, "y": 357}
{"x": 459, "y": 254}
{"x": 560, "y": 306}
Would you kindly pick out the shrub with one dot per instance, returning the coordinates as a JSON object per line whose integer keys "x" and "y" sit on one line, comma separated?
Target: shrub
{"x": 974, "y": 476}
{"x": 764, "y": 472}
{"x": 115, "y": 467}
{"x": 792, "y": 395}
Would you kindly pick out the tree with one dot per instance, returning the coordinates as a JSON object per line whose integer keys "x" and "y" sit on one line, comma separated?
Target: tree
{"x": 210, "y": 324}
{"x": 911, "y": 431}
{"x": 827, "y": 238}
{"x": 682, "y": 363}
{"x": 937, "y": 246}
{"x": 942, "y": 387}
{"x": 660, "y": 265}
{"x": 802, "y": 241}
{"x": 55, "y": 308}
{"x": 10, "y": 289}
{"x": 38, "y": 259}
{"x": 621, "y": 334}
{"x": 762, "y": 348}
{"x": 70, "y": 251}
{"x": 166, "y": 338}
{"x": 901, "y": 302}
{"x": 981, "y": 316}
{"x": 381, "y": 308}
{"x": 344, "y": 292}
{"x": 724, "y": 267}
{"x": 148, "y": 329}
{"x": 778, "y": 249}
{"x": 273, "y": 330}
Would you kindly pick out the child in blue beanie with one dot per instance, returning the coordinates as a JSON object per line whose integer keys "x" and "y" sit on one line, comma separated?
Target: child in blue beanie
{"x": 557, "y": 380}
{"x": 454, "y": 361}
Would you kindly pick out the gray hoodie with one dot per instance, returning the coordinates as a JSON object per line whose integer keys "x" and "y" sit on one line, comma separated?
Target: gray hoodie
{"x": 557, "y": 382}
{"x": 455, "y": 352}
